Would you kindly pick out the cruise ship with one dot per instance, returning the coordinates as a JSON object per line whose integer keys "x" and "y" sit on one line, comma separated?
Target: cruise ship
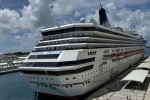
{"x": 74, "y": 59}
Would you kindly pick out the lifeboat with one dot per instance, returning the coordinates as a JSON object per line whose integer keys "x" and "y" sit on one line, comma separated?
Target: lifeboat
{"x": 122, "y": 54}
{"x": 113, "y": 56}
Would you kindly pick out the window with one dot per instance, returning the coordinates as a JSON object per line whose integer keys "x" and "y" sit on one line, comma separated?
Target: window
{"x": 84, "y": 68}
{"x": 67, "y": 78}
{"x": 74, "y": 77}
{"x": 92, "y": 53}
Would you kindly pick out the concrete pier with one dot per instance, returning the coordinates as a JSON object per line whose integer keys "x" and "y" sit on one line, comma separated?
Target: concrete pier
{"x": 117, "y": 90}
{"x": 9, "y": 71}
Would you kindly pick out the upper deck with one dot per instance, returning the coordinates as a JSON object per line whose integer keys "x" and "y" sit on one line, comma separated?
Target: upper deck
{"x": 85, "y": 27}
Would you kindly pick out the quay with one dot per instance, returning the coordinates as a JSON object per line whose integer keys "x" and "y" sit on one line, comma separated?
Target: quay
{"x": 9, "y": 71}
{"x": 9, "y": 67}
{"x": 133, "y": 84}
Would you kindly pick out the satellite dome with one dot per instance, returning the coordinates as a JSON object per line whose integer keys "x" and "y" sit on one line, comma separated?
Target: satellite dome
{"x": 82, "y": 20}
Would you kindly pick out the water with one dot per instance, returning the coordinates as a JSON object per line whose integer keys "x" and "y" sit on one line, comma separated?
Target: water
{"x": 147, "y": 52}
{"x": 13, "y": 86}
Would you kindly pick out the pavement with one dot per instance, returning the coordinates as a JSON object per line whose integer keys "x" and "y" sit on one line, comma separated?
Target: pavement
{"x": 123, "y": 93}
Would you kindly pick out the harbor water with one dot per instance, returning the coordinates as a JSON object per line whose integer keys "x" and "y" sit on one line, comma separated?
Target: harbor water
{"x": 14, "y": 86}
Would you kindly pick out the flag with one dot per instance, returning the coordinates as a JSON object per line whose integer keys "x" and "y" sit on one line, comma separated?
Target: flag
{"x": 52, "y": 6}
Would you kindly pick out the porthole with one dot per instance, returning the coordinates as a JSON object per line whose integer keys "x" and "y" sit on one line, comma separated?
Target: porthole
{"x": 74, "y": 77}
{"x": 67, "y": 78}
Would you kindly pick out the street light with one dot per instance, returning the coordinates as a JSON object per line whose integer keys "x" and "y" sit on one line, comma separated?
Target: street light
{"x": 105, "y": 92}
{"x": 136, "y": 91}
{"x": 118, "y": 79}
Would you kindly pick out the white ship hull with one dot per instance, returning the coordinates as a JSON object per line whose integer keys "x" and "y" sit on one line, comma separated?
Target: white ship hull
{"x": 84, "y": 82}
{"x": 74, "y": 59}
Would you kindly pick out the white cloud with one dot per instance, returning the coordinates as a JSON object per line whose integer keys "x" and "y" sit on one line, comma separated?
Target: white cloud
{"x": 77, "y": 14}
{"x": 9, "y": 21}
{"x": 127, "y": 19}
{"x": 38, "y": 14}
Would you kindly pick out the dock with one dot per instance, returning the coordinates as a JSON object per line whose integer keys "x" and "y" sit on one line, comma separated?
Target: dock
{"x": 8, "y": 70}
{"x": 125, "y": 90}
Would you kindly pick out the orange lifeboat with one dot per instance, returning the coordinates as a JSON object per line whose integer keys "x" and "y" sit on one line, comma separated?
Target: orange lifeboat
{"x": 113, "y": 56}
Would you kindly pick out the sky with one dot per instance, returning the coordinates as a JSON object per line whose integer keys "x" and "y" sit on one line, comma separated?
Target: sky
{"x": 22, "y": 20}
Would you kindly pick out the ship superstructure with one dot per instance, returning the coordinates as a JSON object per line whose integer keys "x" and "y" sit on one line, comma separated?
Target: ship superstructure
{"x": 74, "y": 59}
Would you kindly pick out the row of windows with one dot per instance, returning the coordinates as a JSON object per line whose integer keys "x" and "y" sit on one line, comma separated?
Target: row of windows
{"x": 57, "y": 64}
{"x": 45, "y": 78}
{"x": 83, "y": 29}
{"x": 106, "y": 51}
{"x": 92, "y": 53}
{"x": 48, "y": 56}
{"x": 86, "y": 47}
{"x": 84, "y": 41}
{"x": 58, "y": 73}
{"x": 67, "y": 30}
{"x": 56, "y": 85}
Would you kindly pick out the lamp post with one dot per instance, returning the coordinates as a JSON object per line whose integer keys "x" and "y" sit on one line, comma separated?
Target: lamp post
{"x": 118, "y": 82}
{"x": 105, "y": 92}
{"x": 136, "y": 91}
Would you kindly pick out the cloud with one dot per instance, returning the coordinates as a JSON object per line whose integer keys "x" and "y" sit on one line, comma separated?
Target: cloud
{"x": 38, "y": 14}
{"x": 77, "y": 14}
{"x": 127, "y": 19}
{"x": 9, "y": 21}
